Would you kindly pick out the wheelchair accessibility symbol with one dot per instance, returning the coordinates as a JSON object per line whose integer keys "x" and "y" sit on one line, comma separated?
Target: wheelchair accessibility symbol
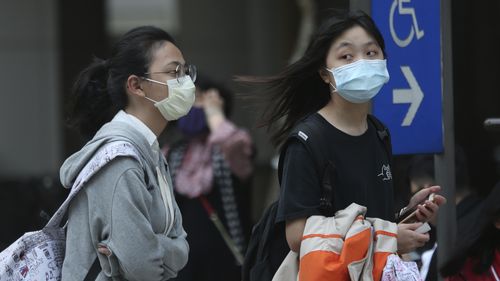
{"x": 404, "y": 11}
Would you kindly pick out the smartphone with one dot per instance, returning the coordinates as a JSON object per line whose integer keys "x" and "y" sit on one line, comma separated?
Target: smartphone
{"x": 424, "y": 228}
{"x": 409, "y": 215}
{"x": 492, "y": 124}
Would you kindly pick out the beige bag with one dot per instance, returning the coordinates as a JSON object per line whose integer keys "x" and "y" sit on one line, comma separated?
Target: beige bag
{"x": 344, "y": 247}
{"x": 289, "y": 268}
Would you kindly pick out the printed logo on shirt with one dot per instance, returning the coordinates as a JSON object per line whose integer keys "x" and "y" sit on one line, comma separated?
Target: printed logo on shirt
{"x": 385, "y": 173}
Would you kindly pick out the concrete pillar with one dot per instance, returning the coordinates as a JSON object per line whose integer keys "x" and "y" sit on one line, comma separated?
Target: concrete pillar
{"x": 30, "y": 143}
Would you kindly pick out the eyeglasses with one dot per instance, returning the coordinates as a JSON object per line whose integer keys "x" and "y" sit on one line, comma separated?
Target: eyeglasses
{"x": 181, "y": 70}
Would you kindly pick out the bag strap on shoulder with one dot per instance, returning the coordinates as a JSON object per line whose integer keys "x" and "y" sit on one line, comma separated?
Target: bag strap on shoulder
{"x": 309, "y": 133}
{"x": 94, "y": 271}
{"x": 383, "y": 134}
{"x": 104, "y": 156}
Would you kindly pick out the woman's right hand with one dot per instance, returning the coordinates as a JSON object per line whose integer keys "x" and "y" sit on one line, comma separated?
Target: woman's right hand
{"x": 213, "y": 105}
{"x": 408, "y": 239}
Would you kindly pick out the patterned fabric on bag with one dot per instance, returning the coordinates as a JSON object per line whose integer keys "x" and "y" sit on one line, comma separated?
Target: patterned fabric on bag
{"x": 399, "y": 270}
{"x": 36, "y": 255}
{"x": 39, "y": 255}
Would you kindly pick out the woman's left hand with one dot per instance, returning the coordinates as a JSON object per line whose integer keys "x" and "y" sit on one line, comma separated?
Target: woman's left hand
{"x": 427, "y": 210}
{"x": 103, "y": 249}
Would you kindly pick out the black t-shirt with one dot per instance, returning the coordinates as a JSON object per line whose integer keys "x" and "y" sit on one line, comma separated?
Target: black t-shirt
{"x": 362, "y": 176}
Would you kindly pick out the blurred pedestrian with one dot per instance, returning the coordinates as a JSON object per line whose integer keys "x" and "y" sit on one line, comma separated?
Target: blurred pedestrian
{"x": 125, "y": 215}
{"x": 211, "y": 167}
{"x": 421, "y": 175}
{"x": 477, "y": 254}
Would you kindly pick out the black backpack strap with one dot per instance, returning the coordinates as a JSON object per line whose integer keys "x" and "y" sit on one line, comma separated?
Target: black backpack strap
{"x": 267, "y": 227}
{"x": 383, "y": 135}
{"x": 309, "y": 132}
{"x": 266, "y": 249}
{"x": 94, "y": 271}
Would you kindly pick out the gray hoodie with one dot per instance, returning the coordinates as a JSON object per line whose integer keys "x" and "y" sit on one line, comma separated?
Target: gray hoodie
{"x": 121, "y": 207}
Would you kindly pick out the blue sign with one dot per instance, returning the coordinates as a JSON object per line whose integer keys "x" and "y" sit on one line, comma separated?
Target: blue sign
{"x": 410, "y": 104}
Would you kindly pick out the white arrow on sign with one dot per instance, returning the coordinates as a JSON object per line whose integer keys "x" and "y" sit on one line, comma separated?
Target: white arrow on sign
{"x": 413, "y": 96}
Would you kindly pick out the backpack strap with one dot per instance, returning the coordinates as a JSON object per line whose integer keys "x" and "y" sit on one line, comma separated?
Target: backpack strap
{"x": 102, "y": 157}
{"x": 94, "y": 271}
{"x": 383, "y": 135}
{"x": 269, "y": 225}
{"x": 309, "y": 133}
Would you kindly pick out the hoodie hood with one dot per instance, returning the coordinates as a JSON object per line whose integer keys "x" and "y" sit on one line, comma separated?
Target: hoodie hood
{"x": 111, "y": 132}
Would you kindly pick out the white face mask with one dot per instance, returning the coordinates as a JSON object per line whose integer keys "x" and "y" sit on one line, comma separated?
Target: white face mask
{"x": 181, "y": 95}
{"x": 360, "y": 81}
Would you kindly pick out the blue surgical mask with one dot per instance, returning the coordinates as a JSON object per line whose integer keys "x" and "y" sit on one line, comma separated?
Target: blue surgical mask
{"x": 194, "y": 123}
{"x": 360, "y": 81}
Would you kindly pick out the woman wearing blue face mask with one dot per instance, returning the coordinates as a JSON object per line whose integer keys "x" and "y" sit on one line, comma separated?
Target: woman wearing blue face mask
{"x": 210, "y": 169}
{"x": 330, "y": 88}
{"x": 125, "y": 223}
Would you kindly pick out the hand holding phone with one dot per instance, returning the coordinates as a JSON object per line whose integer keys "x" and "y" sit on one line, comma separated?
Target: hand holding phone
{"x": 424, "y": 228}
{"x": 410, "y": 215}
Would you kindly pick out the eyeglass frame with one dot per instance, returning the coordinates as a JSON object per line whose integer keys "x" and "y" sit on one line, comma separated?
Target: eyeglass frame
{"x": 188, "y": 67}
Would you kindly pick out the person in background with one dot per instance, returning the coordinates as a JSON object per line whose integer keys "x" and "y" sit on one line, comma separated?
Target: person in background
{"x": 124, "y": 219}
{"x": 211, "y": 168}
{"x": 477, "y": 254}
{"x": 421, "y": 175}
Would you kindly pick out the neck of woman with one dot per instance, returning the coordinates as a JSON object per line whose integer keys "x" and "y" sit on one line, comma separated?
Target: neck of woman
{"x": 152, "y": 119}
{"x": 349, "y": 118}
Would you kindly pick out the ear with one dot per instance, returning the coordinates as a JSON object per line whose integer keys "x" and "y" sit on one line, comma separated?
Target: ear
{"x": 134, "y": 86}
{"x": 326, "y": 76}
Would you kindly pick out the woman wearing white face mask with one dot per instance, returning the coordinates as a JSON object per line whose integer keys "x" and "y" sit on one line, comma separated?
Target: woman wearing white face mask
{"x": 125, "y": 223}
{"x": 330, "y": 88}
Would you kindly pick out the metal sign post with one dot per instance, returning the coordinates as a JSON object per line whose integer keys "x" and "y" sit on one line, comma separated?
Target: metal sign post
{"x": 445, "y": 163}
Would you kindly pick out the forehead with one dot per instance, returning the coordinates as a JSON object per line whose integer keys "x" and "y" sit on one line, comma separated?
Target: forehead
{"x": 355, "y": 36}
{"x": 165, "y": 55}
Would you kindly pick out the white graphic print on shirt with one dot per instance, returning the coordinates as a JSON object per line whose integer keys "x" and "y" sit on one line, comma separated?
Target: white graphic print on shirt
{"x": 385, "y": 173}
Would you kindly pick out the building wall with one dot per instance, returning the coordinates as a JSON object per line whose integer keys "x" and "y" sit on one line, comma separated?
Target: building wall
{"x": 30, "y": 142}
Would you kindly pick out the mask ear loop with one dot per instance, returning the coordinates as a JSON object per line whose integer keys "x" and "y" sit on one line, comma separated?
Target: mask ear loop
{"x": 153, "y": 81}
{"x": 334, "y": 88}
{"x": 150, "y": 99}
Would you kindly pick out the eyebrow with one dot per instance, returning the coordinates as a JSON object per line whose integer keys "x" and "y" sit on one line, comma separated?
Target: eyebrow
{"x": 172, "y": 63}
{"x": 349, "y": 44}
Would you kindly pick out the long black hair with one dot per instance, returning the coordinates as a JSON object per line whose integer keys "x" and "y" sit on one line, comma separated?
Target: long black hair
{"x": 99, "y": 91}
{"x": 298, "y": 90}
{"x": 481, "y": 243}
